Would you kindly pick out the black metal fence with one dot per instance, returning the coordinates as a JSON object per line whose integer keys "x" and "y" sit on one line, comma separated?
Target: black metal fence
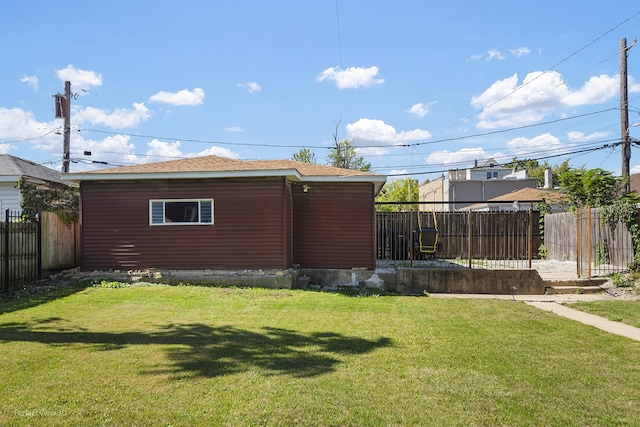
{"x": 470, "y": 239}
{"x": 20, "y": 250}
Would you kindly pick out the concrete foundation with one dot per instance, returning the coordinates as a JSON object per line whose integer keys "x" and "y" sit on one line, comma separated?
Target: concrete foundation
{"x": 434, "y": 280}
{"x": 409, "y": 281}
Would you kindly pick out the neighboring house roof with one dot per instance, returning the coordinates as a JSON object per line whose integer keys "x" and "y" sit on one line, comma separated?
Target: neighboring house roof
{"x": 531, "y": 194}
{"x": 489, "y": 163}
{"x": 222, "y": 167}
{"x": 528, "y": 194}
{"x": 13, "y": 168}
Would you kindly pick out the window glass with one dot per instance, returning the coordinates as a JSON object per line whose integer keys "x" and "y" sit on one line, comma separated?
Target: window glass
{"x": 181, "y": 212}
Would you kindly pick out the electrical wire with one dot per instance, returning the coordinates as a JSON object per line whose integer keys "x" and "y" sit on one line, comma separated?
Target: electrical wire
{"x": 541, "y": 74}
{"x": 32, "y": 138}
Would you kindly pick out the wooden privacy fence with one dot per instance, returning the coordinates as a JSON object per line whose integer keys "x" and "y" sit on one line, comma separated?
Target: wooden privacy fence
{"x": 598, "y": 248}
{"x": 496, "y": 236}
{"x": 33, "y": 246}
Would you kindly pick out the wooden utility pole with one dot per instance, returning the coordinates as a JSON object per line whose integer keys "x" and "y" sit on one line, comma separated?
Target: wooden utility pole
{"x": 624, "y": 115}
{"x": 67, "y": 127}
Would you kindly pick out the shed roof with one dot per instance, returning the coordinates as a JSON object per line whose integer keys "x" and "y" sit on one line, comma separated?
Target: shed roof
{"x": 222, "y": 167}
{"x": 529, "y": 193}
{"x": 12, "y": 168}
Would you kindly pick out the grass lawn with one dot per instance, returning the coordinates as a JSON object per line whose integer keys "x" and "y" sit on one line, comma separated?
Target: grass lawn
{"x": 619, "y": 311}
{"x": 162, "y": 355}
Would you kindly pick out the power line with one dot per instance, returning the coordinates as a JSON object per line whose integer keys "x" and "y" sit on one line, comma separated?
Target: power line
{"x": 564, "y": 154}
{"x": 203, "y": 141}
{"x": 415, "y": 144}
{"x": 524, "y": 84}
{"x": 32, "y": 138}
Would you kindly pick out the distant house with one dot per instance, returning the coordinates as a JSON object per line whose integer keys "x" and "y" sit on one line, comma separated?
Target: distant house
{"x": 12, "y": 169}
{"x": 634, "y": 182}
{"x": 219, "y": 213}
{"x": 476, "y": 184}
{"x": 523, "y": 199}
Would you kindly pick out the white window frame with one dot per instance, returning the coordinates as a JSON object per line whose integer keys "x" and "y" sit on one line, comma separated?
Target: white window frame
{"x": 203, "y": 205}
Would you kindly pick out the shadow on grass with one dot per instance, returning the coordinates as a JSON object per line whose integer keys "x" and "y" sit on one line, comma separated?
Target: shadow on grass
{"x": 206, "y": 351}
{"x": 36, "y": 295}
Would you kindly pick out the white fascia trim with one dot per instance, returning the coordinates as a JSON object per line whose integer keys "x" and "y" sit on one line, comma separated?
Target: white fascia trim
{"x": 9, "y": 178}
{"x": 78, "y": 177}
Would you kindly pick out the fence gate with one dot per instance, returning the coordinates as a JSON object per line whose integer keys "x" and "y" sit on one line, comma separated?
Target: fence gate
{"x": 20, "y": 250}
{"x": 601, "y": 249}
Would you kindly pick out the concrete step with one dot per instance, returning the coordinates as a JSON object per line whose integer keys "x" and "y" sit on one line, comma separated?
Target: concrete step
{"x": 575, "y": 286}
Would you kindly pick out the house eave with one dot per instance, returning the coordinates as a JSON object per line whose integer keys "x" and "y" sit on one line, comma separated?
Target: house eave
{"x": 97, "y": 176}
{"x": 292, "y": 174}
{"x": 9, "y": 178}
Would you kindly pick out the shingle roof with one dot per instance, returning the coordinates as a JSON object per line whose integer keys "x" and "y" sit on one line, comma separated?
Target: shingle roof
{"x": 549, "y": 196}
{"x": 11, "y": 166}
{"x": 223, "y": 164}
{"x": 222, "y": 167}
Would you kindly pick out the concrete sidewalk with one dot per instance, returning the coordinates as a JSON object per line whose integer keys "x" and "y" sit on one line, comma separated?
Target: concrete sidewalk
{"x": 616, "y": 328}
{"x": 553, "y": 303}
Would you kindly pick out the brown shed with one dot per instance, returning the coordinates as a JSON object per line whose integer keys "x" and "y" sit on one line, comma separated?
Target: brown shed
{"x": 219, "y": 213}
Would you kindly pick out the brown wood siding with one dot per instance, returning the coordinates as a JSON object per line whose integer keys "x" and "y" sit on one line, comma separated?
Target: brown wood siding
{"x": 334, "y": 225}
{"x": 248, "y": 230}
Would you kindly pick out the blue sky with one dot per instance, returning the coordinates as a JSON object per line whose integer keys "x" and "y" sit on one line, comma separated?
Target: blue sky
{"x": 418, "y": 86}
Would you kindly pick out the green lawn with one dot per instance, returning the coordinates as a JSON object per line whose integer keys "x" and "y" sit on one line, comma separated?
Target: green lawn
{"x": 619, "y": 311}
{"x": 187, "y": 356}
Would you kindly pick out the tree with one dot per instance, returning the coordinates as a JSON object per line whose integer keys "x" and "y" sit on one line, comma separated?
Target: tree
{"x": 399, "y": 190}
{"x": 305, "y": 155}
{"x": 345, "y": 156}
{"x": 536, "y": 170}
{"x": 593, "y": 187}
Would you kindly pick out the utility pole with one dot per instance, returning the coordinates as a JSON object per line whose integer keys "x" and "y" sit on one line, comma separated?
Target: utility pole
{"x": 624, "y": 116}
{"x": 67, "y": 127}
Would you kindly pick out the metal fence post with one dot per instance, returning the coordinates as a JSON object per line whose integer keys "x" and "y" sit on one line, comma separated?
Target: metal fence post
{"x": 6, "y": 251}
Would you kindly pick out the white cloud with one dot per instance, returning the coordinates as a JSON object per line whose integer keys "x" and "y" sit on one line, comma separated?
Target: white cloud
{"x": 352, "y": 77}
{"x": 31, "y": 81}
{"x": 495, "y": 54}
{"x": 507, "y": 103}
{"x": 183, "y": 97}
{"x": 596, "y": 90}
{"x": 463, "y": 155}
{"x": 545, "y": 143}
{"x": 372, "y": 151}
{"x": 216, "y": 151}
{"x": 113, "y": 151}
{"x": 575, "y": 136}
{"x": 234, "y": 129}
{"x": 81, "y": 79}
{"x": 521, "y": 51}
{"x": 118, "y": 150}
{"x": 163, "y": 149}
{"x": 632, "y": 85}
{"x": 419, "y": 109}
{"x": 159, "y": 149}
{"x": 476, "y": 57}
{"x": 395, "y": 174}
{"x": 20, "y": 125}
{"x": 117, "y": 119}
{"x": 379, "y": 133}
{"x": 252, "y": 87}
